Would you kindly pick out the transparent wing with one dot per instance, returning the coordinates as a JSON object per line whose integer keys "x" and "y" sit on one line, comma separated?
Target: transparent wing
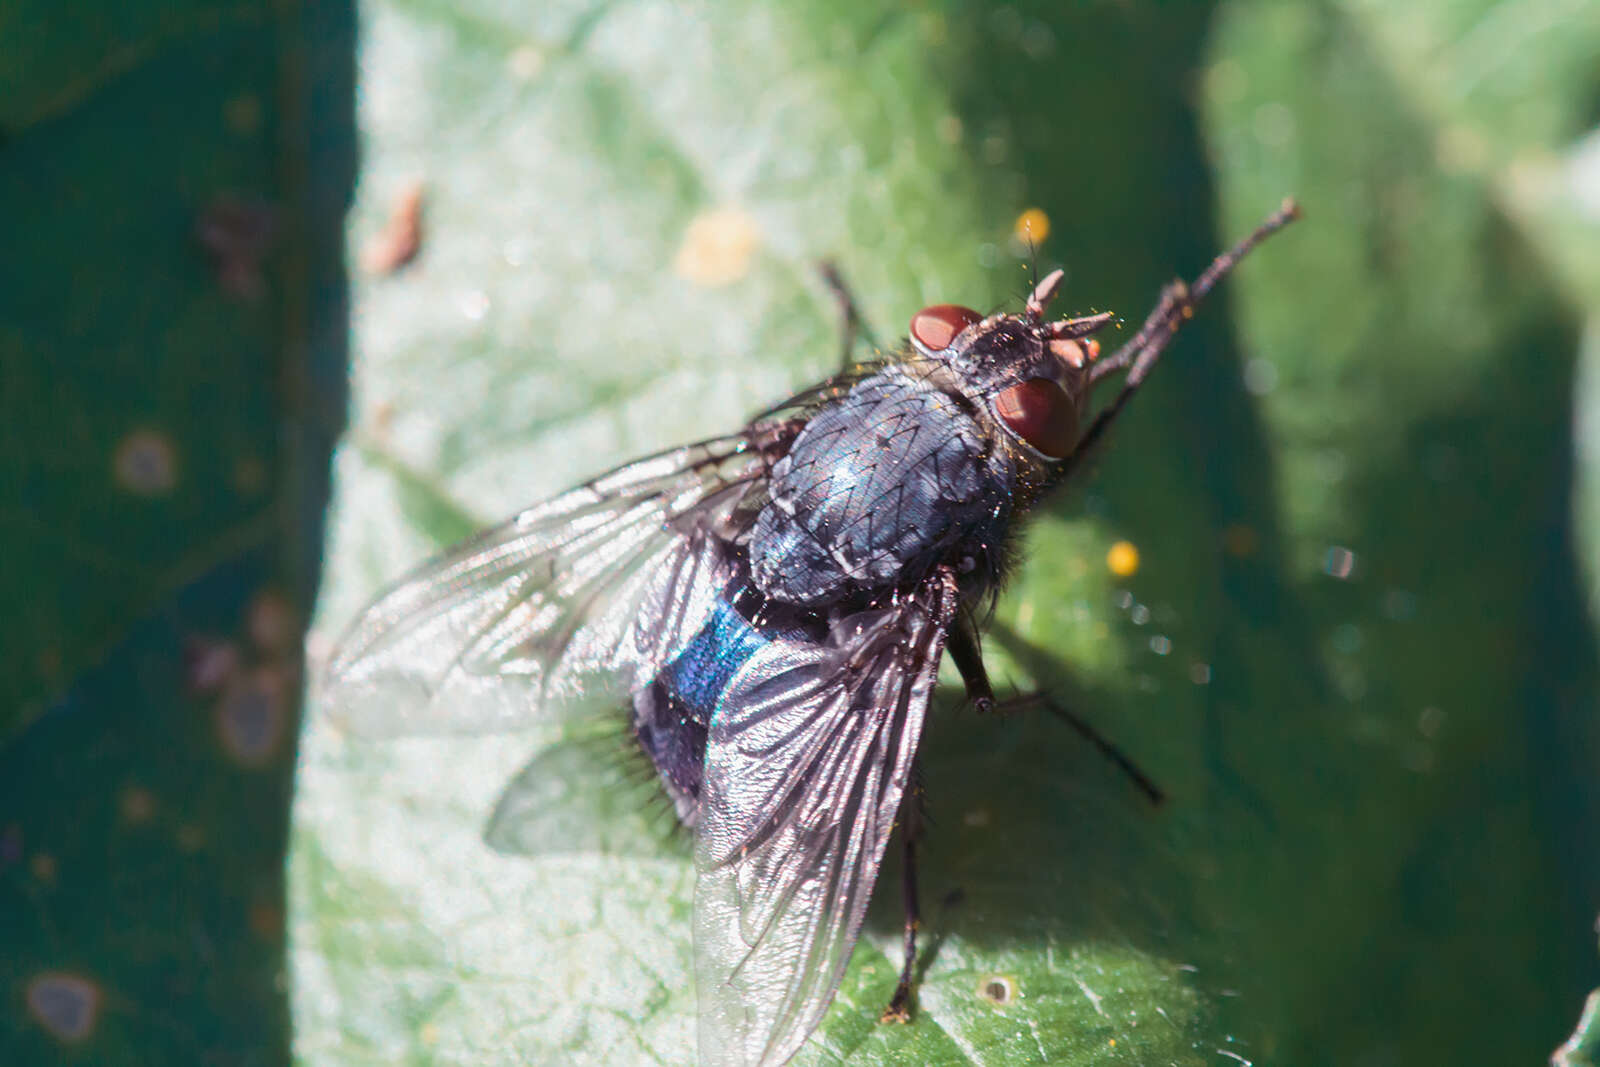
{"x": 585, "y": 596}
{"x": 806, "y": 762}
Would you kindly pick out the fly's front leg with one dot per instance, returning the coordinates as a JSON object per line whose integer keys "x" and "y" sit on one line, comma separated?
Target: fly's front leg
{"x": 911, "y": 820}
{"x": 1138, "y": 355}
{"x": 851, "y": 325}
{"x": 1143, "y": 349}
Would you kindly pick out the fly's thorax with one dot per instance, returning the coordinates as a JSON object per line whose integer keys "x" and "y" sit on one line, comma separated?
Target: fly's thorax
{"x": 881, "y": 484}
{"x": 930, "y": 459}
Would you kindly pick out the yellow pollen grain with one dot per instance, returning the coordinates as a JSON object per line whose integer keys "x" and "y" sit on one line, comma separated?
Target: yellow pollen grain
{"x": 718, "y": 247}
{"x": 1122, "y": 559}
{"x": 1032, "y": 226}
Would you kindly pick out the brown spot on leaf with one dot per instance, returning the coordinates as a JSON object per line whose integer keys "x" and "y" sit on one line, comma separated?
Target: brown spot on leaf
{"x": 266, "y": 921}
{"x": 242, "y": 113}
{"x": 236, "y": 233}
{"x": 400, "y": 240}
{"x": 137, "y": 804}
{"x": 272, "y": 623}
{"x": 209, "y": 664}
{"x": 1240, "y": 540}
{"x": 718, "y": 247}
{"x": 146, "y": 463}
{"x": 253, "y": 716}
{"x": 997, "y": 989}
{"x": 249, "y": 475}
{"x": 67, "y": 1005}
{"x": 10, "y": 845}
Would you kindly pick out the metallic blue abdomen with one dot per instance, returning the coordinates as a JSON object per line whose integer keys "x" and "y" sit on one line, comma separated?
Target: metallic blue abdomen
{"x": 712, "y": 657}
{"x": 672, "y": 715}
{"x": 875, "y": 490}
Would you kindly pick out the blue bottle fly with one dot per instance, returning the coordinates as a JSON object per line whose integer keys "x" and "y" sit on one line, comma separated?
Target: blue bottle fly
{"x": 772, "y": 607}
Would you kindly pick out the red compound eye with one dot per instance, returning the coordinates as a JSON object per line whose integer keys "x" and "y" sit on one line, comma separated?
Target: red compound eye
{"x": 1040, "y": 412}
{"x": 935, "y": 327}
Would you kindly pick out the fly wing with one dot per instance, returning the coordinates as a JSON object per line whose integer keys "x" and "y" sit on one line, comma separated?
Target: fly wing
{"x": 807, "y": 759}
{"x": 586, "y": 595}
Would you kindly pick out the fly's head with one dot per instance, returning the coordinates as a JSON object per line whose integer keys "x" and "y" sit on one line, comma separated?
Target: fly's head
{"x": 1031, "y": 377}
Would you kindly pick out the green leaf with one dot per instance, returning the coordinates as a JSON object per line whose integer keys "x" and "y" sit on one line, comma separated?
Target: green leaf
{"x": 172, "y": 182}
{"x": 1582, "y": 1049}
{"x": 1355, "y": 652}
{"x": 1423, "y": 341}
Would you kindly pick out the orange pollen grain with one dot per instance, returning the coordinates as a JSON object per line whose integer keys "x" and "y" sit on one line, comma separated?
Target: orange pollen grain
{"x": 1122, "y": 559}
{"x": 1033, "y": 225}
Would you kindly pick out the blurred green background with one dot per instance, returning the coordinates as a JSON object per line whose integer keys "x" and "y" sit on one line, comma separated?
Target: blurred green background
{"x": 1358, "y": 649}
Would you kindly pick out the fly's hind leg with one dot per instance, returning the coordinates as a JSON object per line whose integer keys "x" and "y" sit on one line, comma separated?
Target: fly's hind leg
{"x": 911, "y": 819}
{"x": 852, "y": 327}
{"x": 968, "y": 657}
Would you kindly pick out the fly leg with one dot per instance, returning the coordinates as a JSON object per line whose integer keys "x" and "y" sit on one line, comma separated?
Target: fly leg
{"x": 967, "y": 654}
{"x": 851, "y": 325}
{"x": 1107, "y": 748}
{"x": 899, "y": 1009}
{"x": 968, "y": 657}
{"x": 1143, "y": 349}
